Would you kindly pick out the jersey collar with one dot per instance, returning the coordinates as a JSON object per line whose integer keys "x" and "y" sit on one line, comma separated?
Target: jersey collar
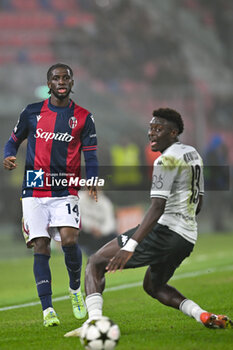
{"x": 59, "y": 109}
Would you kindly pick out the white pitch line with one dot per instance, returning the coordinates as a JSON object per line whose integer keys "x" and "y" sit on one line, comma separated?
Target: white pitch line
{"x": 129, "y": 285}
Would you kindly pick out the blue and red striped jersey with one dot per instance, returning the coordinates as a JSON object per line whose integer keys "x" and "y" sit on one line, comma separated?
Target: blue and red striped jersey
{"x": 55, "y": 138}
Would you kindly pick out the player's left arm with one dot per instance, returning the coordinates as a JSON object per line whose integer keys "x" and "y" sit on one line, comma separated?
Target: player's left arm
{"x": 89, "y": 148}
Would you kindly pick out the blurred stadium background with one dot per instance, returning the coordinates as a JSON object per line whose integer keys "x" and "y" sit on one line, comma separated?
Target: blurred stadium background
{"x": 129, "y": 57}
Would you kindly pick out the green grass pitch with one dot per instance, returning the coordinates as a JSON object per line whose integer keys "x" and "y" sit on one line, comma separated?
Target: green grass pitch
{"x": 206, "y": 277}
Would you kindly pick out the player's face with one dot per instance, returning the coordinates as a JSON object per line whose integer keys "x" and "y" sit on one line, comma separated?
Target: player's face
{"x": 60, "y": 83}
{"x": 161, "y": 134}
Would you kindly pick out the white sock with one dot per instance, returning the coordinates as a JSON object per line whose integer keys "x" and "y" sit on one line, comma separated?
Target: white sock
{"x": 47, "y": 311}
{"x": 75, "y": 290}
{"x": 94, "y": 303}
{"x": 191, "y": 309}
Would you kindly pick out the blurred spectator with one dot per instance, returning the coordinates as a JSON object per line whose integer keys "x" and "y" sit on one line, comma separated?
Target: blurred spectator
{"x": 98, "y": 224}
{"x": 217, "y": 181}
{"x": 127, "y": 52}
{"x": 216, "y": 152}
{"x": 125, "y": 159}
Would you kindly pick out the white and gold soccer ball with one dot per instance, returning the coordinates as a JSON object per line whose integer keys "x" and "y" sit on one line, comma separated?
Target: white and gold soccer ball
{"x": 100, "y": 334}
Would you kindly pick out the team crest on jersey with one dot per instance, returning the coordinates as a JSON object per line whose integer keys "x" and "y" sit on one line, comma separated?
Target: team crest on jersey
{"x": 73, "y": 122}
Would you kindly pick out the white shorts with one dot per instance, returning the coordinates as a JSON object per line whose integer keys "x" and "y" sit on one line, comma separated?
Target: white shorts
{"x": 43, "y": 216}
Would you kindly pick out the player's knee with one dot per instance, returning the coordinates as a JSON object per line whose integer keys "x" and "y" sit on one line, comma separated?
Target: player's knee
{"x": 41, "y": 245}
{"x": 146, "y": 286}
{"x": 96, "y": 262}
{"x": 93, "y": 260}
{"x": 69, "y": 240}
{"x": 150, "y": 285}
{"x": 147, "y": 282}
{"x": 153, "y": 291}
{"x": 69, "y": 236}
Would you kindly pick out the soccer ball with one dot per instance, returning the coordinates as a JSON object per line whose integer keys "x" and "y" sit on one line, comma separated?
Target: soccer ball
{"x": 100, "y": 334}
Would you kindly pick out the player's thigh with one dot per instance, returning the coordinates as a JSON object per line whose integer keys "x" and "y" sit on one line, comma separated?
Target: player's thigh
{"x": 111, "y": 248}
{"x": 69, "y": 235}
{"x": 64, "y": 212}
{"x": 96, "y": 265}
{"x": 108, "y": 250}
{"x": 143, "y": 254}
{"x": 164, "y": 269}
{"x": 36, "y": 217}
{"x": 162, "y": 249}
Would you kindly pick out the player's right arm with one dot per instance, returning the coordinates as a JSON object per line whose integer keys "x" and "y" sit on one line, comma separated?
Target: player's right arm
{"x": 124, "y": 254}
{"x": 162, "y": 180}
{"x": 18, "y": 135}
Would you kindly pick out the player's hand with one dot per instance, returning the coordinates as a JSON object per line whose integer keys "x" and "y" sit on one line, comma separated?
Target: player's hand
{"x": 118, "y": 261}
{"x": 93, "y": 192}
{"x": 9, "y": 163}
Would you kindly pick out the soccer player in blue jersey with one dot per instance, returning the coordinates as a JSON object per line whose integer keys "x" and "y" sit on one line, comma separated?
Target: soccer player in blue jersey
{"x": 57, "y": 130}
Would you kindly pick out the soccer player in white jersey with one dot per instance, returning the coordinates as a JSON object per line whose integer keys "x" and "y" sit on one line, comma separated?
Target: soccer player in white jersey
{"x": 168, "y": 231}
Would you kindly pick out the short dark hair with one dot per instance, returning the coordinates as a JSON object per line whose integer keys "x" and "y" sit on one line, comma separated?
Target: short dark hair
{"x": 172, "y": 116}
{"x": 58, "y": 65}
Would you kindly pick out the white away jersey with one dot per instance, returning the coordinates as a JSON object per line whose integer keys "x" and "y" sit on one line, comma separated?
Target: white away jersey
{"x": 178, "y": 178}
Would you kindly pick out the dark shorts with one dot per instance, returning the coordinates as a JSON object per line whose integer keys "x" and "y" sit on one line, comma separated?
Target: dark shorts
{"x": 162, "y": 249}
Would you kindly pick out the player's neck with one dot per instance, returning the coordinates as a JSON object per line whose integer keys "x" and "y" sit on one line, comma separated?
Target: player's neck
{"x": 59, "y": 102}
{"x": 169, "y": 145}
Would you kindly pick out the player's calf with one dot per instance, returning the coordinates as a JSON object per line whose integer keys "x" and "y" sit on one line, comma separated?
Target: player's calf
{"x": 94, "y": 274}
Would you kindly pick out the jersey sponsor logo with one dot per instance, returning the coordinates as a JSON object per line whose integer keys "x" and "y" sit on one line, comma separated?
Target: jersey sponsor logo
{"x": 124, "y": 239}
{"x": 157, "y": 182}
{"x": 185, "y": 217}
{"x": 38, "y": 117}
{"x": 72, "y": 122}
{"x": 42, "y": 282}
{"x": 35, "y": 178}
{"x": 59, "y": 136}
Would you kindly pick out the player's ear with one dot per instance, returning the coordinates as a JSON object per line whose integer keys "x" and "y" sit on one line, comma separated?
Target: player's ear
{"x": 174, "y": 132}
{"x": 49, "y": 86}
{"x": 72, "y": 84}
